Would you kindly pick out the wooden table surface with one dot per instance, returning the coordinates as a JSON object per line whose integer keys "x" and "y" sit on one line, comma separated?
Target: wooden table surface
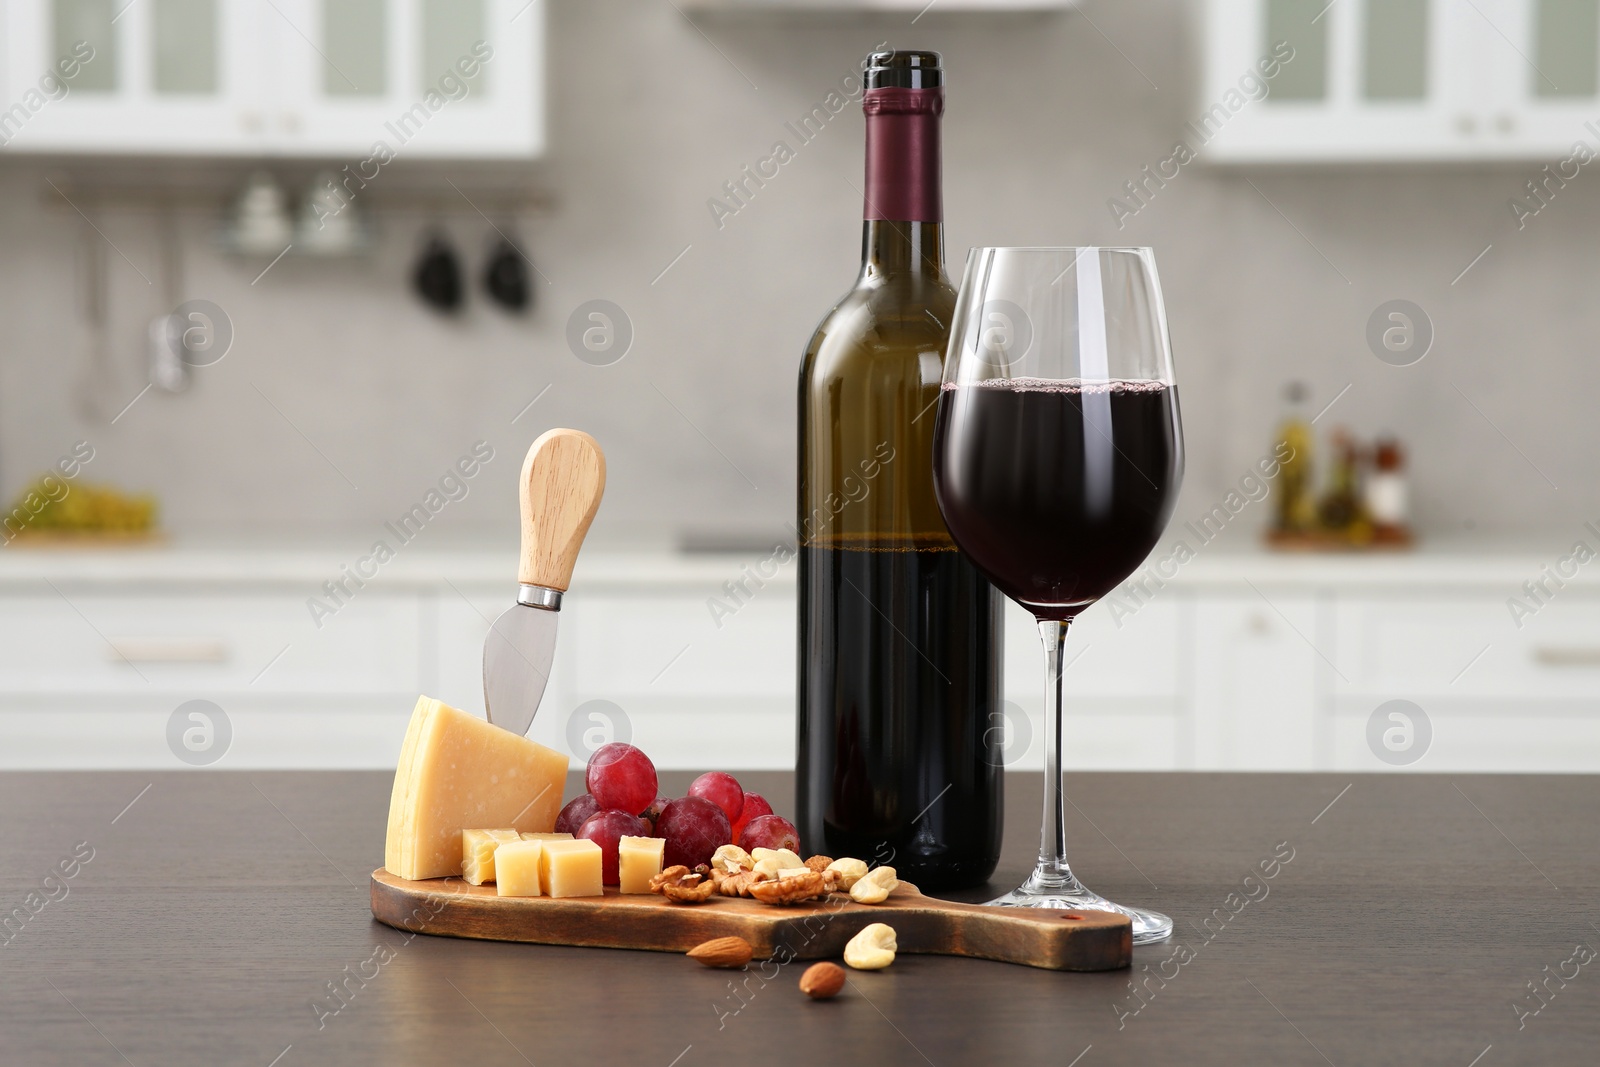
{"x": 1405, "y": 919}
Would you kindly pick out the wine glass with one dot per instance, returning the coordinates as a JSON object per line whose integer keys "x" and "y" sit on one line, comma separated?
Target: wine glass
{"x": 1057, "y": 459}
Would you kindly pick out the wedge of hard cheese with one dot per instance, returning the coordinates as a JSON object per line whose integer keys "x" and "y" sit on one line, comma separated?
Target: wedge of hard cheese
{"x": 457, "y": 772}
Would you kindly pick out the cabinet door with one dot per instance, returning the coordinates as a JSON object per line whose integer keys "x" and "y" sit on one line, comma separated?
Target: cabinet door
{"x": 1502, "y": 693}
{"x": 377, "y": 80}
{"x": 1546, "y": 84}
{"x": 1367, "y": 80}
{"x": 1258, "y": 668}
{"x": 158, "y": 76}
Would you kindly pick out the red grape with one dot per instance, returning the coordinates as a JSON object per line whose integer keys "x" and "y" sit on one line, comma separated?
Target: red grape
{"x": 694, "y": 829}
{"x": 605, "y": 829}
{"x": 770, "y": 831}
{"x": 621, "y": 777}
{"x": 652, "y": 813}
{"x": 573, "y": 815}
{"x": 722, "y": 789}
{"x": 755, "y": 806}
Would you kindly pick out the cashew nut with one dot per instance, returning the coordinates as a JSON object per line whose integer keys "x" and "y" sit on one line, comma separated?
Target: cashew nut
{"x": 731, "y": 859}
{"x": 850, "y": 871}
{"x": 770, "y": 861}
{"x": 872, "y": 949}
{"x": 875, "y": 886}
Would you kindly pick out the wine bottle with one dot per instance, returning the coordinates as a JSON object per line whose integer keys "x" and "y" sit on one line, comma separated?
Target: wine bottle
{"x": 900, "y": 721}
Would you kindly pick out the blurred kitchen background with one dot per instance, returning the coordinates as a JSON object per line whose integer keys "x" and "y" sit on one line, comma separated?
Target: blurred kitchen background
{"x": 1390, "y": 161}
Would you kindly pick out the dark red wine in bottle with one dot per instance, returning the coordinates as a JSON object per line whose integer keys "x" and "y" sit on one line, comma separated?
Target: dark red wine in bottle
{"x": 899, "y": 686}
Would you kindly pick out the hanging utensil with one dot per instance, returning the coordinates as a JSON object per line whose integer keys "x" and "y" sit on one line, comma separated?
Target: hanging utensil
{"x": 505, "y": 277}
{"x": 437, "y": 277}
{"x": 168, "y": 371}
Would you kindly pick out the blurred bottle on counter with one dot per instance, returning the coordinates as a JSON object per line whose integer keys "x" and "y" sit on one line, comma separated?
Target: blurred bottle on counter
{"x": 1297, "y": 509}
{"x": 1386, "y": 496}
{"x": 1342, "y": 509}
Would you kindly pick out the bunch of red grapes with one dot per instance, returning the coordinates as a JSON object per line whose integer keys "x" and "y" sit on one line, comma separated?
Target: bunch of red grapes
{"x": 622, "y": 781}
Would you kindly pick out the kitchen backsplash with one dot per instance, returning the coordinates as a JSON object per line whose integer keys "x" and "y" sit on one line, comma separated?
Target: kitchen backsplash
{"x": 343, "y": 401}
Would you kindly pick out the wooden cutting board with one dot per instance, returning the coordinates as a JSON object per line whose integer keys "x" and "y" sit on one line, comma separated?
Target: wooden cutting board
{"x": 1033, "y": 937}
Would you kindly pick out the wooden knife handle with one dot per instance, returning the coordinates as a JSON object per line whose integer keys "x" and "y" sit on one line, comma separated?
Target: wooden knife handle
{"x": 562, "y": 481}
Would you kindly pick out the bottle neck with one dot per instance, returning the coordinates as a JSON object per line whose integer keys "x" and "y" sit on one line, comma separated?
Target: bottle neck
{"x": 904, "y": 206}
{"x": 902, "y": 248}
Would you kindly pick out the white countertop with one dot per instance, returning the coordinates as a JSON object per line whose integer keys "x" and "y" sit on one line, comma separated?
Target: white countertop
{"x": 1441, "y": 564}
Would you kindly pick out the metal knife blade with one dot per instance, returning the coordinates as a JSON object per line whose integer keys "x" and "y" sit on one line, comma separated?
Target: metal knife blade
{"x": 517, "y": 656}
{"x": 563, "y": 478}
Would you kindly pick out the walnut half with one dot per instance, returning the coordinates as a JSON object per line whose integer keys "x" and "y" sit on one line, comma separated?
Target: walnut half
{"x": 791, "y": 890}
{"x": 680, "y": 885}
{"x": 735, "y": 883}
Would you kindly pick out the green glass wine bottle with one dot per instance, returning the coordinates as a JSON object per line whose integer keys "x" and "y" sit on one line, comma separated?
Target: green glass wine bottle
{"x": 899, "y": 674}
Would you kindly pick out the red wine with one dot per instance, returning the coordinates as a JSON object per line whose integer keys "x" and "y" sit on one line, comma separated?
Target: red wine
{"x": 898, "y": 675}
{"x": 1061, "y": 488}
{"x": 898, "y": 768}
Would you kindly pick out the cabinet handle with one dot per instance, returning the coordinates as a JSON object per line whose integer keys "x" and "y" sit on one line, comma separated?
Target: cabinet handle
{"x": 1506, "y": 123}
{"x": 1567, "y": 655}
{"x": 1466, "y": 124}
{"x": 162, "y": 650}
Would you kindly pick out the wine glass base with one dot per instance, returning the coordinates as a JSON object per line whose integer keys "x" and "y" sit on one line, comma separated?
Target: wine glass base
{"x": 1148, "y": 926}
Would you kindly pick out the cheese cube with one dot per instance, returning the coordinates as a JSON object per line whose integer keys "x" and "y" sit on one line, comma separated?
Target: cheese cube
{"x": 457, "y": 772}
{"x": 517, "y": 863}
{"x": 547, "y": 837}
{"x": 570, "y": 868}
{"x": 477, "y": 853}
{"x": 638, "y": 861}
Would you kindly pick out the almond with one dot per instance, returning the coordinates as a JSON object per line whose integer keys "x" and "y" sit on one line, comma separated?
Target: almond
{"x": 822, "y": 980}
{"x": 723, "y": 952}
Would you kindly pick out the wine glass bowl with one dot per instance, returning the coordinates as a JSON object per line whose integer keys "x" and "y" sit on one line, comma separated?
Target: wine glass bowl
{"x": 1058, "y": 454}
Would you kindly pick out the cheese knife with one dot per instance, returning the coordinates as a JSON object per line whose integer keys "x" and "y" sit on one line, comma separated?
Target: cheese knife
{"x": 562, "y": 480}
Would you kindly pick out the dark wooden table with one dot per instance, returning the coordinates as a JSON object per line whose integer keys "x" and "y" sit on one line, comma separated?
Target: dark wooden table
{"x": 219, "y": 911}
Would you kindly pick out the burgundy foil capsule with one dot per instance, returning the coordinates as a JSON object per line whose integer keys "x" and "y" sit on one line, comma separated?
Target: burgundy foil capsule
{"x": 903, "y": 179}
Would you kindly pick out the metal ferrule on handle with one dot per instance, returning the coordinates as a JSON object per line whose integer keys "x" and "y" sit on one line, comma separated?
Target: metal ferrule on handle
{"x": 539, "y": 596}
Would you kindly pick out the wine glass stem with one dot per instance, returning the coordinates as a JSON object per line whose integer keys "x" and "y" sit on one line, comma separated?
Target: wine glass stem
{"x": 1052, "y": 838}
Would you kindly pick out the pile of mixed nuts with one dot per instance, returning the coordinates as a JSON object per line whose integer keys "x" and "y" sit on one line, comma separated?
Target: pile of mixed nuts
{"x": 774, "y": 876}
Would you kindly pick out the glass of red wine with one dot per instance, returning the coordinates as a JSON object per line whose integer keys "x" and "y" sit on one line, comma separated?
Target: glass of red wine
{"x": 1057, "y": 458}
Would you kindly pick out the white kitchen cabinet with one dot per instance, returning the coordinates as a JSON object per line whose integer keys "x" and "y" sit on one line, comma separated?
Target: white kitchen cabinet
{"x": 1250, "y": 662}
{"x": 99, "y": 643}
{"x": 1400, "y": 80}
{"x": 171, "y": 76}
{"x": 1544, "y": 92}
{"x": 1495, "y": 694}
{"x": 909, "y": 7}
{"x": 90, "y": 674}
{"x": 1257, "y": 663}
{"x": 355, "y": 72}
{"x": 717, "y": 691}
{"x": 289, "y": 78}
